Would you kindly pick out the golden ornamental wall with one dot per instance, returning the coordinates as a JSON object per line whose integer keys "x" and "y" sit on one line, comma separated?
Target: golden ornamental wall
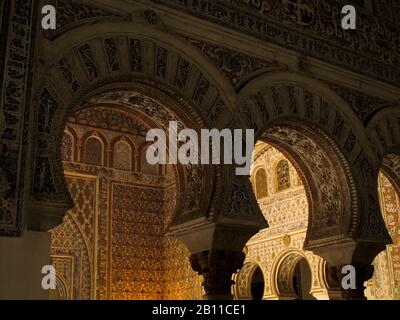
{"x": 112, "y": 244}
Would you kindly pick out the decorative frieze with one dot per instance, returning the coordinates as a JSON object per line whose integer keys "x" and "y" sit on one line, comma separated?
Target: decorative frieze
{"x": 17, "y": 25}
{"x": 235, "y": 65}
{"x": 312, "y": 28}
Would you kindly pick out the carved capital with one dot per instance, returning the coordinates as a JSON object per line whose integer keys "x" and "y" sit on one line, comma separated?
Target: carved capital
{"x": 217, "y": 267}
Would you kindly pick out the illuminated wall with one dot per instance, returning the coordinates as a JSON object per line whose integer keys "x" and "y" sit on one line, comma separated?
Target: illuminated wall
{"x": 112, "y": 244}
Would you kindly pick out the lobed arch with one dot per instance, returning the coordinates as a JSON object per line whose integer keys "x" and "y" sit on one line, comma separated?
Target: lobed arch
{"x": 310, "y": 124}
{"x": 54, "y": 163}
{"x": 118, "y": 57}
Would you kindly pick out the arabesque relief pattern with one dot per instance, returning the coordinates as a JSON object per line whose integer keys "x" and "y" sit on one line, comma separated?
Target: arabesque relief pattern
{"x": 310, "y": 27}
{"x": 266, "y": 62}
{"x": 112, "y": 244}
{"x": 287, "y": 213}
{"x": 386, "y": 281}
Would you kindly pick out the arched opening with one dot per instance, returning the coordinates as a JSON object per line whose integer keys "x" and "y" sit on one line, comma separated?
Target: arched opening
{"x": 113, "y": 243}
{"x": 287, "y": 212}
{"x": 293, "y": 277}
{"x": 279, "y": 206}
{"x": 313, "y": 128}
{"x": 309, "y": 200}
{"x": 302, "y": 280}
{"x": 257, "y": 285}
{"x": 325, "y": 174}
{"x": 250, "y": 282}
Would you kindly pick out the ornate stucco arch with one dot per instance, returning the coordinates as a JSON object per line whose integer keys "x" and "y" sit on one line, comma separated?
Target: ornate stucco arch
{"x": 320, "y": 133}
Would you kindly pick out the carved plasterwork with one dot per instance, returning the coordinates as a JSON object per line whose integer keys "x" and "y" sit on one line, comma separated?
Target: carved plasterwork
{"x": 17, "y": 28}
{"x": 310, "y": 27}
{"x": 243, "y": 280}
{"x": 336, "y": 132}
{"x": 135, "y": 101}
{"x": 236, "y": 66}
{"x": 329, "y": 182}
{"x": 74, "y": 13}
{"x": 106, "y": 118}
{"x": 391, "y": 166}
{"x": 285, "y": 275}
{"x": 161, "y": 116}
{"x": 363, "y": 105}
{"x": 75, "y": 238}
{"x": 107, "y": 248}
{"x": 282, "y": 175}
{"x": 384, "y": 131}
{"x": 287, "y": 214}
{"x": 386, "y": 281}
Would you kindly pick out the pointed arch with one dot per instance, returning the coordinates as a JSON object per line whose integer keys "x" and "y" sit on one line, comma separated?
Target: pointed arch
{"x": 95, "y": 146}
{"x": 124, "y": 148}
